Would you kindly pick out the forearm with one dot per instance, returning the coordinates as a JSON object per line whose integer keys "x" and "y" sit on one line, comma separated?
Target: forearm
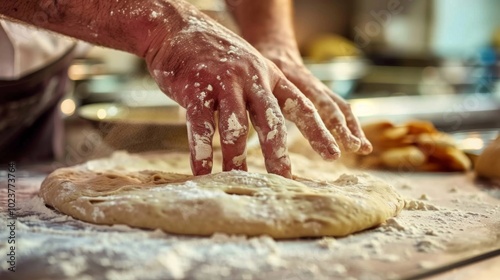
{"x": 127, "y": 25}
{"x": 264, "y": 21}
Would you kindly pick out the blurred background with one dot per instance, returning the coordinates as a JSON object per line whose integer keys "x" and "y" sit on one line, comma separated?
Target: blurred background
{"x": 435, "y": 60}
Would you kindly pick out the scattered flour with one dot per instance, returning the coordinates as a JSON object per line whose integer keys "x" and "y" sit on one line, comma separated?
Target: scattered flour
{"x": 393, "y": 223}
{"x": 419, "y": 205}
{"x": 68, "y": 248}
{"x": 328, "y": 243}
{"x": 423, "y": 197}
{"x": 429, "y": 245}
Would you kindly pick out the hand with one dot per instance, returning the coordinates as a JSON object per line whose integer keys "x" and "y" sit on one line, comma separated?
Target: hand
{"x": 207, "y": 68}
{"x": 334, "y": 110}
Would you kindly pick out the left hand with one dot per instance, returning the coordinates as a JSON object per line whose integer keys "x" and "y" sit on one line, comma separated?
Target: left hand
{"x": 333, "y": 109}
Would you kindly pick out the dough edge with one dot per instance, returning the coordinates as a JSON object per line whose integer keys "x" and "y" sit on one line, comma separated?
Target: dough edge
{"x": 292, "y": 208}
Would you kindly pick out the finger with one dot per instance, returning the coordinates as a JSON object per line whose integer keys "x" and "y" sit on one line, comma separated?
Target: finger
{"x": 298, "y": 109}
{"x": 329, "y": 111}
{"x": 200, "y": 127}
{"x": 353, "y": 124}
{"x": 336, "y": 122}
{"x": 269, "y": 124}
{"x": 233, "y": 129}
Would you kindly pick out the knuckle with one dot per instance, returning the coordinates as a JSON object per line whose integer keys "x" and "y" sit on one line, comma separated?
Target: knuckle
{"x": 344, "y": 105}
{"x": 308, "y": 106}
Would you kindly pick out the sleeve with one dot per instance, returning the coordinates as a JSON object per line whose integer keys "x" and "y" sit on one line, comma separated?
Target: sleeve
{"x": 24, "y": 50}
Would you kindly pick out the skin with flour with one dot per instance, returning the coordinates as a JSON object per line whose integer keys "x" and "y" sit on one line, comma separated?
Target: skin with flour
{"x": 207, "y": 68}
{"x": 267, "y": 25}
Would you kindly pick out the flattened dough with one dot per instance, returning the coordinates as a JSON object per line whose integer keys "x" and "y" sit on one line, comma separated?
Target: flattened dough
{"x": 233, "y": 202}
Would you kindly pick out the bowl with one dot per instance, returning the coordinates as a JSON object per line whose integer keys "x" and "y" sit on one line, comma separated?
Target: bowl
{"x": 340, "y": 74}
{"x": 138, "y": 129}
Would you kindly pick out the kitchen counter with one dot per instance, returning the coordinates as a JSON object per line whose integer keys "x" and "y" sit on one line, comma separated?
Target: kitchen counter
{"x": 486, "y": 269}
{"x": 453, "y": 217}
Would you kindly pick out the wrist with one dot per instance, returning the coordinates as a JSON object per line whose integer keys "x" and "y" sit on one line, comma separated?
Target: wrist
{"x": 163, "y": 21}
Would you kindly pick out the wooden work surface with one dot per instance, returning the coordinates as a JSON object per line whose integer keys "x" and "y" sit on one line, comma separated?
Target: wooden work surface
{"x": 466, "y": 223}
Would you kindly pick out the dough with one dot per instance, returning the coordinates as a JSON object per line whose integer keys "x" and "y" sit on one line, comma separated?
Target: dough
{"x": 488, "y": 163}
{"x": 233, "y": 202}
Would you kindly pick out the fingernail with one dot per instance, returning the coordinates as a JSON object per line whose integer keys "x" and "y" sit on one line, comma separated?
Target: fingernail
{"x": 354, "y": 144}
{"x": 366, "y": 147}
{"x": 286, "y": 172}
{"x": 202, "y": 168}
{"x": 334, "y": 151}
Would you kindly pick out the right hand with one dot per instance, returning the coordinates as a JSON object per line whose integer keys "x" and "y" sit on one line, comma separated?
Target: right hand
{"x": 334, "y": 110}
{"x": 207, "y": 68}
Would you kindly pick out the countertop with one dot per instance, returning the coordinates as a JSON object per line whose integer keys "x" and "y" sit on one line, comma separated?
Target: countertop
{"x": 455, "y": 216}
